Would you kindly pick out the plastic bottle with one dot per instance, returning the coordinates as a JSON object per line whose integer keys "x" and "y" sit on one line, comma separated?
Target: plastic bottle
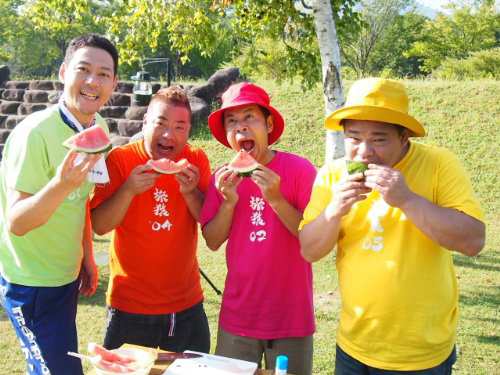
{"x": 281, "y": 365}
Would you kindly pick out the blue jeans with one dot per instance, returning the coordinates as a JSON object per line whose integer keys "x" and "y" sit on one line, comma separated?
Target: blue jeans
{"x": 44, "y": 321}
{"x": 347, "y": 365}
{"x": 176, "y": 332}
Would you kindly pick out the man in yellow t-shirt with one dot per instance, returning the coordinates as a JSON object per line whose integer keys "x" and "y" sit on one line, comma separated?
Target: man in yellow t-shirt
{"x": 393, "y": 225}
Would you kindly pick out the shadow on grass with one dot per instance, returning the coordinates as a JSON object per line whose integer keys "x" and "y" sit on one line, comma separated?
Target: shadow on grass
{"x": 495, "y": 340}
{"x": 481, "y": 298}
{"x": 481, "y": 262}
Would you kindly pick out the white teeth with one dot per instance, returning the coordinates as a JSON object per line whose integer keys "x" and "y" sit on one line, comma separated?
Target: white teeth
{"x": 88, "y": 95}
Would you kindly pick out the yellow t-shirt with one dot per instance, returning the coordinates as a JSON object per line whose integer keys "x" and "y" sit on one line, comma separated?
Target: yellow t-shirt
{"x": 398, "y": 287}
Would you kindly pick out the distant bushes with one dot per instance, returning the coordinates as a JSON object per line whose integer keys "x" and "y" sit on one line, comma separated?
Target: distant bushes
{"x": 480, "y": 64}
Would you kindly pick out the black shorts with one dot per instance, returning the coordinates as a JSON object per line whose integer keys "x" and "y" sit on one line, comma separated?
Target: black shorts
{"x": 177, "y": 332}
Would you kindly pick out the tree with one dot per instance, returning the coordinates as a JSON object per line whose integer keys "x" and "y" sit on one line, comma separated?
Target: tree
{"x": 390, "y": 53}
{"x": 61, "y": 20}
{"x": 201, "y": 24}
{"x": 377, "y": 16}
{"x": 468, "y": 29}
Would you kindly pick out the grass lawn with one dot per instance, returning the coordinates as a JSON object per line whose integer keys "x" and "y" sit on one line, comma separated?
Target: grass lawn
{"x": 463, "y": 116}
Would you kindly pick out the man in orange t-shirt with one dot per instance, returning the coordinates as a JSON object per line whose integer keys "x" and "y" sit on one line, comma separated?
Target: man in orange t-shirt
{"x": 154, "y": 295}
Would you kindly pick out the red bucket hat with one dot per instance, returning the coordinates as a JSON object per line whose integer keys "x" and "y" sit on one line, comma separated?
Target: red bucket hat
{"x": 239, "y": 95}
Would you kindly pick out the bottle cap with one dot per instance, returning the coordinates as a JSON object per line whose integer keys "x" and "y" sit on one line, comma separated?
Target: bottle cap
{"x": 282, "y": 362}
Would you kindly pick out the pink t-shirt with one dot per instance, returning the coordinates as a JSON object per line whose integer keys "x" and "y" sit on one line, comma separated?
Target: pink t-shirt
{"x": 268, "y": 290}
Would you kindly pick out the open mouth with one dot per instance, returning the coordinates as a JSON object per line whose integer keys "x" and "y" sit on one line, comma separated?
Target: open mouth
{"x": 89, "y": 96}
{"x": 165, "y": 148}
{"x": 247, "y": 144}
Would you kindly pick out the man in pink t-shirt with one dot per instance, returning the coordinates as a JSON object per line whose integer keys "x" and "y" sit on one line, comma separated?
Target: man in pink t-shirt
{"x": 267, "y": 306}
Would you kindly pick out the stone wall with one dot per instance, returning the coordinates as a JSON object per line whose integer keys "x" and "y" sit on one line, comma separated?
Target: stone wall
{"x": 124, "y": 117}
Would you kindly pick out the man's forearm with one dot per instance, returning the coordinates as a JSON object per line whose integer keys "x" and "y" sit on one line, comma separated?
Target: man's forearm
{"x": 320, "y": 236}
{"x": 448, "y": 227}
{"x": 216, "y": 231}
{"x": 288, "y": 215}
{"x": 110, "y": 213}
{"x": 194, "y": 201}
{"x": 30, "y": 211}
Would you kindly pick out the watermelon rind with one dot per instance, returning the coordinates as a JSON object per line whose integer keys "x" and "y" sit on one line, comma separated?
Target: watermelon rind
{"x": 356, "y": 166}
{"x": 70, "y": 143}
{"x": 100, "y": 150}
{"x": 166, "y": 171}
{"x": 245, "y": 171}
{"x": 163, "y": 171}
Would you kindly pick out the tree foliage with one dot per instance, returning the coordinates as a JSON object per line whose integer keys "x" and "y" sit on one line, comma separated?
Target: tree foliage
{"x": 480, "y": 64}
{"x": 389, "y": 57}
{"x": 468, "y": 29}
{"x": 377, "y": 16}
{"x": 282, "y": 41}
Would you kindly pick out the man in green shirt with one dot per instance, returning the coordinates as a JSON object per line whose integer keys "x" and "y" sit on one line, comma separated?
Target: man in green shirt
{"x": 45, "y": 234}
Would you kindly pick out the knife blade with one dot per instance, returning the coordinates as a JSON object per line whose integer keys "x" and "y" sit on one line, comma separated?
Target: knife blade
{"x": 172, "y": 356}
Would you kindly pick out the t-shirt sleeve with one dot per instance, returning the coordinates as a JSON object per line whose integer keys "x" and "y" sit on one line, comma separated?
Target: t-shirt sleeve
{"x": 26, "y": 164}
{"x": 204, "y": 167}
{"x": 116, "y": 179}
{"x": 320, "y": 196}
{"x": 212, "y": 202}
{"x": 305, "y": 183}
{"x": 454, "y": 188}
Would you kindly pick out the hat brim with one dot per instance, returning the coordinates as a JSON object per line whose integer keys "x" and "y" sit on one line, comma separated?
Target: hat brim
{"x": 216, "y": 124}
{"x": 374, "y": 113}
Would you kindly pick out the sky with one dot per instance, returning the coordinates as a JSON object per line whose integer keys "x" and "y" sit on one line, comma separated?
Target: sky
{"x": 435, "y": 4}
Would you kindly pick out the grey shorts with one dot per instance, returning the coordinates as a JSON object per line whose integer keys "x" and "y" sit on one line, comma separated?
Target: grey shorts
{"x": 299, "y": 351}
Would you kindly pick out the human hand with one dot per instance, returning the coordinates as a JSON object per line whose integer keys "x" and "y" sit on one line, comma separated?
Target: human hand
{"x": 71, "y": 173}
{"x": 89, "y": 277}
{"x": 226, "y": 182}
{"x": 390, "y": 183}
{"x": 188, "y": 178}
{"x": 141, "y": 179}
{"x": 347, "y": 192}
{"x": 269, "y": 183}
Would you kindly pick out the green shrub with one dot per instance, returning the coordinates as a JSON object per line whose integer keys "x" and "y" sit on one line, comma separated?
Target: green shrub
{"x": 480, "y": 64}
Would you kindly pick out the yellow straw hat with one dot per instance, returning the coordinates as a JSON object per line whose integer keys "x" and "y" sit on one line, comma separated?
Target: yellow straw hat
{"x": 376, "y": 99}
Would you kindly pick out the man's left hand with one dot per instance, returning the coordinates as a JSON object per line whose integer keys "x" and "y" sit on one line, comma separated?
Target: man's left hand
{"x": 269, "y": 183}
{"x": 390, "y": 183}
{"x": 89, "y": 277}
{"x": 188, "y": 179}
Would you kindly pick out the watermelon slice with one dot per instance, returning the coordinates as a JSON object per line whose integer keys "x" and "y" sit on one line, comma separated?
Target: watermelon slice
{"x": 167, "y": 166}
{"x": 356, "y": 166}
{"x": 243, "y": 164}
{"x": 93, "y": 140}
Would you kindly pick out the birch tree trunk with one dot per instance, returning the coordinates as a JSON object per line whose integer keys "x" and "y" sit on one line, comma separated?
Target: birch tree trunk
{"x": 330, "y": 63}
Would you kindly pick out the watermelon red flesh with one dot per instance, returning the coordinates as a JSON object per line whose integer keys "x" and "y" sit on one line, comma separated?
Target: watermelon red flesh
{"x": 108, "y": 355}
{"x": 243, "y": 163}
{"x": 92, "y": 141}
{"x": 167, "y": 166}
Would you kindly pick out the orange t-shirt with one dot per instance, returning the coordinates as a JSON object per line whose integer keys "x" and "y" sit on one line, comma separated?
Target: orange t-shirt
{"x": 153, "y": 264}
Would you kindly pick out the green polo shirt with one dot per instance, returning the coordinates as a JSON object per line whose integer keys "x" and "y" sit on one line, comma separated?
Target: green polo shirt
{"x": 51, "y": 254}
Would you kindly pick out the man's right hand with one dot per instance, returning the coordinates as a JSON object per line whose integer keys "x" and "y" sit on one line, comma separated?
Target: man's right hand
{"x": 226, "y": 182}
{"x": 141, "y": 179}
{"x": 70, "y": 174}
{"x": 348, "y": 192}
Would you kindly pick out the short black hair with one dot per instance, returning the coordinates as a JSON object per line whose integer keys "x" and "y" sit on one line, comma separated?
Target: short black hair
{"x": 92, "y": 40}
{"x": 266, "y": 112}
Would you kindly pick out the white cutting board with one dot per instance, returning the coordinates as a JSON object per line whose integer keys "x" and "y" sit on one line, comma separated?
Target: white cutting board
{"x": 209, "y": 364}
